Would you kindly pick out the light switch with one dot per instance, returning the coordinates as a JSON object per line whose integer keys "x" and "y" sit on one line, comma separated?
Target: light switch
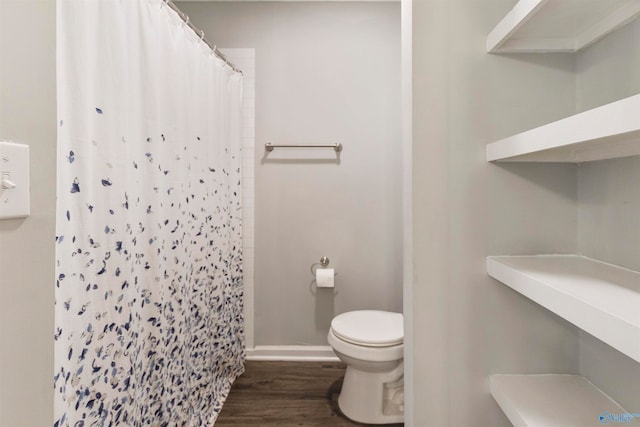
{"x": 14, "y": 180}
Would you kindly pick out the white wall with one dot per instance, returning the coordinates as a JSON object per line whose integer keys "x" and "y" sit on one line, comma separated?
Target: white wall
{"x": 325, "y": 73}
{"x": 28, "y": 115}
{"x": 610, "y": 201}
{"x": 466, "y": 325}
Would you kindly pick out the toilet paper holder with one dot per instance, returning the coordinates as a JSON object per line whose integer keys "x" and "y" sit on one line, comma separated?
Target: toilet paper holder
{"x": 324, "y": 263}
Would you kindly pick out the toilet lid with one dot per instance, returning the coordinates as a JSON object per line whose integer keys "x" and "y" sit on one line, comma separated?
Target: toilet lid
{"x": 369, "y": 327}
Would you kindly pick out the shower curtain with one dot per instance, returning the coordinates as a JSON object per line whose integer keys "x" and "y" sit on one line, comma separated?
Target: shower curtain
{"x": 148, "y": 292}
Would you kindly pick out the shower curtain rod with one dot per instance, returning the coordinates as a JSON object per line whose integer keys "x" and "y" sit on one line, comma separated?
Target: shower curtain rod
{"x": 199, "y": 32}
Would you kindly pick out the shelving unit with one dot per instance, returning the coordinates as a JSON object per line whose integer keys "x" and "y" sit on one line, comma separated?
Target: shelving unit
{"x": 606, "y": 132}
{"x": 600, "y": 298}
{"x": 559, "y": 25}
{"x": 554, "y": 400}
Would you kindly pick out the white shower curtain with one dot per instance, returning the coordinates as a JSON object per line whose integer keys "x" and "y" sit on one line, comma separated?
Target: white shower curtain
{"x": 149, "y": 327}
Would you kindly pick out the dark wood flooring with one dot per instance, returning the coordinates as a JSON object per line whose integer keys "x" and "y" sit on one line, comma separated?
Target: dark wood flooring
{"x": 286, "y": 394}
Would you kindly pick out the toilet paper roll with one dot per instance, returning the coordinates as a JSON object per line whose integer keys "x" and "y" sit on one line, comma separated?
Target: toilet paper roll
{"x": 325, "y": 277}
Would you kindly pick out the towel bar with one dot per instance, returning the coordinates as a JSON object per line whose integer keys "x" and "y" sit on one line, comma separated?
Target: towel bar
{"x": 337, "y": 147}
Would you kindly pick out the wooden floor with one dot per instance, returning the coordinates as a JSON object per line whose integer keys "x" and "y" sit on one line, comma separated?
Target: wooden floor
{"x": 286, "y": 394}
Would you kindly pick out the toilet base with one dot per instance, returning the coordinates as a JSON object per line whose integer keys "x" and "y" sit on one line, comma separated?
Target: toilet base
{"x": 373, "y": 398}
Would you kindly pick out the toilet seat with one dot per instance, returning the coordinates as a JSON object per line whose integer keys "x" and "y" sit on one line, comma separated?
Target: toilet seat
{"x": 369, "y": 328}
{"x": 365, "y": 353}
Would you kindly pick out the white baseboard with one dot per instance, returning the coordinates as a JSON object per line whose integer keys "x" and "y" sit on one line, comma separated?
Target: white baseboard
{"x": 292, "y": 353}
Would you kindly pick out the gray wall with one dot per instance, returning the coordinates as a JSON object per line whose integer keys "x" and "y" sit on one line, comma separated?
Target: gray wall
{"x": 466, "y": 325}
{"x": 28, "y": 115}
{"x": 609, "y": 205}
{"x": 325, "y": 72}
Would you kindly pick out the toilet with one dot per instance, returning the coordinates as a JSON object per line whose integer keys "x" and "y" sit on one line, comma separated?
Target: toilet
{"x": 370, "y": 343}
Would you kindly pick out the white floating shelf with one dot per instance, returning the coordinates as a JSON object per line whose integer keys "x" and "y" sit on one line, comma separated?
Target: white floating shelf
{"x": 559, "y": 25}
{"x": 600, "y": 298}
{"x": 605, "y": 132}
{"x": 554, "y": 400}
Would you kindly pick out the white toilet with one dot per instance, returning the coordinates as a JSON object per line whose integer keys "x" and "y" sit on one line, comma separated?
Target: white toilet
{"x": 370, "y": 343}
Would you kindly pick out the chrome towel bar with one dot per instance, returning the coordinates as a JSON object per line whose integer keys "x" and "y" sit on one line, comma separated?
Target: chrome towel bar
{"x": 336, "y": 147}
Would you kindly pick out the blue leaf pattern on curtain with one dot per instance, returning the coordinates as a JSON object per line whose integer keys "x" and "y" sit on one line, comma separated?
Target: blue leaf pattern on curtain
{"x": 149, "y": 327}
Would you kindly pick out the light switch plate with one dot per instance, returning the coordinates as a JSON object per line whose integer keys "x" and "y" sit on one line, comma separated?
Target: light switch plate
{"x": 14, "y": 170}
